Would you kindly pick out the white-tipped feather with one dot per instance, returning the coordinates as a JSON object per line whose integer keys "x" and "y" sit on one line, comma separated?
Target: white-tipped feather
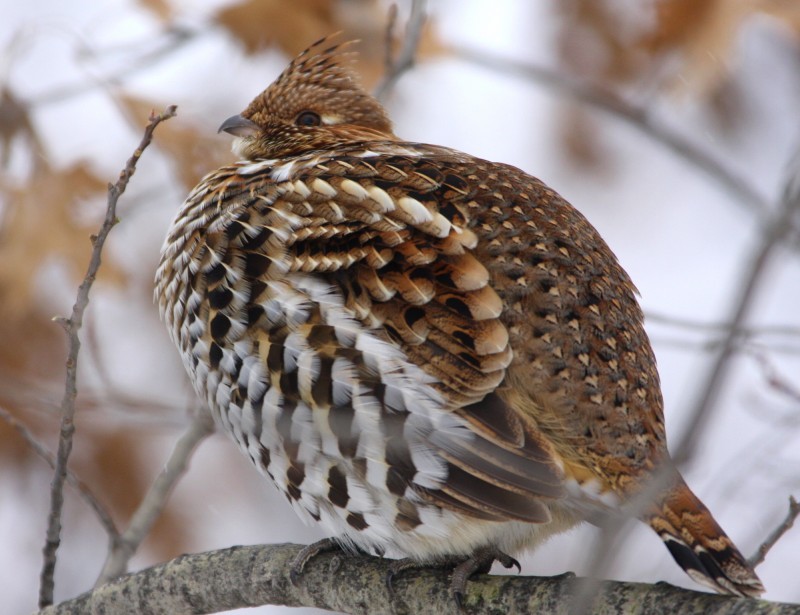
{"x": 418, "y": 213}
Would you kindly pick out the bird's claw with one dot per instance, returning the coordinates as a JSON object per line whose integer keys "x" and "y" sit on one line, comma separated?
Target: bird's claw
{"x": 308, "y": 553}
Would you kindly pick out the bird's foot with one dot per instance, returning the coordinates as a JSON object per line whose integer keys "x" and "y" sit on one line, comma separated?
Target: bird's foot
{"x": 463, "y": 568}
{"x": 399, "y": 566}
{"x": 479, "y": 562}
{"x": 308, "y": 553}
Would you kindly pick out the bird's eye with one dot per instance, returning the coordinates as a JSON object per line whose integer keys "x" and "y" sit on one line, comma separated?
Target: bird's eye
{"x": 308, "y": 118}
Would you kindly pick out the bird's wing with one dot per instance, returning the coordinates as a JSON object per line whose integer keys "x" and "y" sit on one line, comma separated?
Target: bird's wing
{"x": 379, "y": 334}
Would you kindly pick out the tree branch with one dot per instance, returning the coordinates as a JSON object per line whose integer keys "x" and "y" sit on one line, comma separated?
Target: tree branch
{"x": 398, "y": 65}
{"x": 82, "y": 488}
{"x": 775, "y": 232}
{"x": 724, "y": 327}
{"x": 172, "y": 40}
{"x": 637, "y": 117}
{"x": 156, "y": 498}
{"x": 250, "y": 576}
{"x": 72, "y": 326}
{"x": 776, "y": 534}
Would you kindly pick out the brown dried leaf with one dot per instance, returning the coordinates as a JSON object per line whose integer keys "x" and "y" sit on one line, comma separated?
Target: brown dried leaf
{"x": 41, "y": 224}
{"x": 117, "y": 467}
{"x": 31, "y": 356}
{"x": 262, "y": 24}
{"x": 160, "y": 8}
{"x": 705, "y": 37}
{"x": 676, "y": 22}
{"x": 711, "y": 25}
{"x": 701, "y": 33}
{"x": 681, "y": 46}
{"x": 787, "y": 11}
{"x": 581, "y": 141}
{"x": 14, "y": 450}
{"x": 14, "y": 122}
{"x": 593, "y": 44}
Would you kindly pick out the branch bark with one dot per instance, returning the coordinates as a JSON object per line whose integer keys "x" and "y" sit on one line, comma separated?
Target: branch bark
{"x": 249, "y": 576}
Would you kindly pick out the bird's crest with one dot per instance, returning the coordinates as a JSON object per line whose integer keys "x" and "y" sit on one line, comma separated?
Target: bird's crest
{"x": 316, "y": 102}
{"x": 324, "y": 63}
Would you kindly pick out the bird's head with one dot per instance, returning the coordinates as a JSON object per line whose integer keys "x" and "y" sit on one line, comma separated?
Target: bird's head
{"x": 316, "y": 103}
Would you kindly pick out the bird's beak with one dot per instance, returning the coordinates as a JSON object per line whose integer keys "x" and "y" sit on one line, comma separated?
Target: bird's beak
{"x": 239, "y": 126}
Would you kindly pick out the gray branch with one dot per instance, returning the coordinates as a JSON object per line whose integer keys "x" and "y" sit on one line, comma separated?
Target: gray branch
{"x": 397, "y": 66}
{"x": 241, "y": 577}
{"x": 775, "y": 535}
{"x": 156, "y": 498}
{"x": 776, "y": 230}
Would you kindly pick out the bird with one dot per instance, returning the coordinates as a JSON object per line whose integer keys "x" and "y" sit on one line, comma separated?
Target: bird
{"x": 431, "y": 355}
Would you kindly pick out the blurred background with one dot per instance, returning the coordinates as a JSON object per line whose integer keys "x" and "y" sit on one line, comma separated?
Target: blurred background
{"x": 670, "y": 124}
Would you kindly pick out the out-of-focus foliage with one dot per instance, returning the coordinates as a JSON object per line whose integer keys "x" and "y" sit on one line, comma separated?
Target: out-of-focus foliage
{"x": 311, "y": 20}
{"x": 683, "y": 48}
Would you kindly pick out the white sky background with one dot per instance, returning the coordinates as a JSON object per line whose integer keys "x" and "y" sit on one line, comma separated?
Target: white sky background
{"x": 683, "y": 240}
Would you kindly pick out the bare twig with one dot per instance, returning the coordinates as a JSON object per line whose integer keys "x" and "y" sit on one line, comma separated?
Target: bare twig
{"x": 82, "y": 488}
{"x": 72, "y": 326}
{"x": 775, "y": 232}
{"x": 605, "y": 547}
{"x": 774, "y": 379}
{"x": 638, "y": 118}
{"x": 776, "y": 534}
{"x": 174, "y": 39}
{"x": 388, "y": 39}
{"x": 715, "y": 343}
{"x": 601, "y": 554}
{"x": 156, "y": 498}
{"x": 398, "y": 65}
{"x": 697, "y": 325}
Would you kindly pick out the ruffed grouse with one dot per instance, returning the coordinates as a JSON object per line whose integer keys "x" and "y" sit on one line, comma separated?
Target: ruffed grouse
{"x": 430, "y": 354}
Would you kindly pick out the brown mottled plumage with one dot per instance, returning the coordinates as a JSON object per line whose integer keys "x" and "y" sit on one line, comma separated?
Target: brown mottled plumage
{"x": 430, "y": 354}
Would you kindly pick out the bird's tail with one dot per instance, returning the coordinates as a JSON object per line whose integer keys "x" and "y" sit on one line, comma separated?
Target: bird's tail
{"x": 700, "y": 546}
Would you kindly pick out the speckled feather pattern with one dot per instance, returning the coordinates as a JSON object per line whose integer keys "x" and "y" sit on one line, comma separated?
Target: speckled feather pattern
{"x": 428, "y": 353}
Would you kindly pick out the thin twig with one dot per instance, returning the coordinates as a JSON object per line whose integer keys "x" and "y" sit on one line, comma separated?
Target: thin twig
{"x": 175, "y": 37}
{"x": 638, "y": 118}
{"x": 775, "y": 232}
{"x": 388, "y": 39}
{"x": 692, "y": 324}
{"x": 156, "y": 498}
{"x": 613, "y": 532}
{"x": 774, "y": 378}
{"x": 776, "y": 534}
{"x": 711, "y": 344}
{"x": 82, "y": 488}
{"x": 397, "y": 66}
{"x": 72, "y": 327}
